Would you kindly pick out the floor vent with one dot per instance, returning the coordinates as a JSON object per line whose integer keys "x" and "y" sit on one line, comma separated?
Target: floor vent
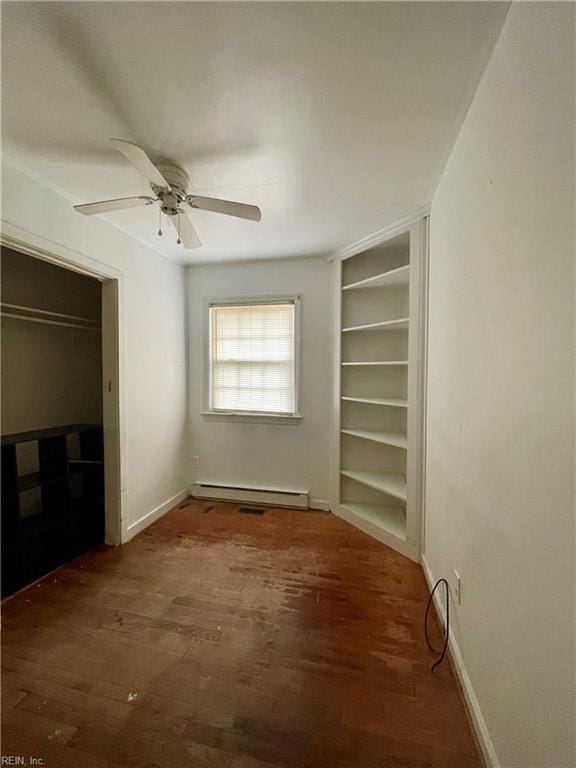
{"x": 267, "y": 497}
{"x": 251, "y": 510}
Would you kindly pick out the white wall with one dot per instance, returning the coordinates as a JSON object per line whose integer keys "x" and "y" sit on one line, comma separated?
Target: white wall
{"x": 274, "y": 455}
{"x": 153, "y": 335}
{"x": 51, "y": 374}
{"x": 500, "y": 469}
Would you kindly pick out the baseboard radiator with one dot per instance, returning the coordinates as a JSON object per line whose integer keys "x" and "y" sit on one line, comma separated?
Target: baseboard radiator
{"x": 267, "y": 496}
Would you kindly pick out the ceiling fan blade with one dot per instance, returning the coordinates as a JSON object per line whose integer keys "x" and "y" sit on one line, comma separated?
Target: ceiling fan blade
{"x": 90, "y": 209}
{"x": 240, "y": 210}
{"x": 137, "y": 157}
{"x": 185, "y": 229}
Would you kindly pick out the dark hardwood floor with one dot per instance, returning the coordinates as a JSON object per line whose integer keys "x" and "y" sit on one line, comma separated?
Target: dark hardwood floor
{"x": 223, "y": 639}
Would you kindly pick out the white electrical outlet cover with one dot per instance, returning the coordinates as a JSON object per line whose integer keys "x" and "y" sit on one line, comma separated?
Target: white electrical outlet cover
{"x": 457, "y": 587}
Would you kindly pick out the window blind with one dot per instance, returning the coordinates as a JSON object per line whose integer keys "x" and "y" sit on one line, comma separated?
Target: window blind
{"x": 252, "y": 357}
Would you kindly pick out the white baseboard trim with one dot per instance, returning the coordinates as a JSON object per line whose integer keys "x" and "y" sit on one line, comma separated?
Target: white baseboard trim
{"x": 476, "y": 716}
{"x": 319, "y": 504}
{"x": 150, "y": 517}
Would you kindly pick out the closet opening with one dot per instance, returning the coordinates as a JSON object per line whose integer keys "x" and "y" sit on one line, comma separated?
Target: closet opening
{"x": 59, "y": 417}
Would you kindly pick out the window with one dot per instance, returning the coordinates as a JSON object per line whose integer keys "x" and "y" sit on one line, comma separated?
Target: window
{"x": 252, "y": 357}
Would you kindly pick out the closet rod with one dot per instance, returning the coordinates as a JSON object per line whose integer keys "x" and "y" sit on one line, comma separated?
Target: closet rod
{"x": 50, "y": 322}
{"x": 33, "y": 315}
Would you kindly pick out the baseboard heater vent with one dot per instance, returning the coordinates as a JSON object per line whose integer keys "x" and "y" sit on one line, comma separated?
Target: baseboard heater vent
{"x": 267, "y": 496}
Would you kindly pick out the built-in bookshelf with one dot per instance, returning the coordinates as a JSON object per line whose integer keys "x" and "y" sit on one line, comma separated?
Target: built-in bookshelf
{"x": 380, "y": 401}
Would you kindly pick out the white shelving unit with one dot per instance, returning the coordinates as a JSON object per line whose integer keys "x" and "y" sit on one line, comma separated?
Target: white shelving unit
{"x": 402, "y": 323}
{"x": 400, "y": 276}
{"x": 374, "y": 518}
{"x": 387, "y": 482}
{"x": 394, "y": 403}
{"x": 377, "y": 362}
{"x": 380, "y": 403}
{"x": 377, "y": 436}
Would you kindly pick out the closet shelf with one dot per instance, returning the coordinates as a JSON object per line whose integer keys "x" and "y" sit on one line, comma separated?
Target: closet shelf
{"x": 386, "y": 438}
{"x": 378, "y": 362}
{"x": 392, "y": 484}
{"x": 398, "y": 276}
{"x": 389, "y": 519}
{"x": 394, "y": 402}
{"x": 399, "y": 324}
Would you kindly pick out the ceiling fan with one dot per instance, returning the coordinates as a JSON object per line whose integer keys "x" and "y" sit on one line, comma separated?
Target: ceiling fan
{"x": 171, "y": 188}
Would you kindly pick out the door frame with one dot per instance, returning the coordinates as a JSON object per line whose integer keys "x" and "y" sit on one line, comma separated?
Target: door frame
{"x": 113, "y": 395}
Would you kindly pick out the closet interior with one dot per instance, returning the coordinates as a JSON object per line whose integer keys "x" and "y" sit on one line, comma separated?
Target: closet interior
{"x": 52, "y": 439}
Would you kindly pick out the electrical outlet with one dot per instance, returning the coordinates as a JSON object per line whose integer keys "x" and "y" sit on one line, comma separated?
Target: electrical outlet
{"x": 196, "y": 462}
{"x": 457, "y": 587}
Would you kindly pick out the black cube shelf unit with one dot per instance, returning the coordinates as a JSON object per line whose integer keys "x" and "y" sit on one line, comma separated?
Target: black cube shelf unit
{"x": 52, "y": 500}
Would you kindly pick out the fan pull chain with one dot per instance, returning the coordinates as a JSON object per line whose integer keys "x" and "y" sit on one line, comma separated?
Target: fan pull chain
{"x": 160, "y": 221}
{"x": 179, "y": 242}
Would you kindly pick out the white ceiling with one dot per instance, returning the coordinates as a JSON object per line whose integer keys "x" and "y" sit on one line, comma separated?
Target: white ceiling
{"x": 335, "y": 118}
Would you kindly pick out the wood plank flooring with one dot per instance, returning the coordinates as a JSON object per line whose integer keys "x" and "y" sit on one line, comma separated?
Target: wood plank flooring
{"x": 229, "y": 640}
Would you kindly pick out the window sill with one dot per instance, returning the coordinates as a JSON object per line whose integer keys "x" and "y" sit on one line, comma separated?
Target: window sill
{"x": 255, "y": 418}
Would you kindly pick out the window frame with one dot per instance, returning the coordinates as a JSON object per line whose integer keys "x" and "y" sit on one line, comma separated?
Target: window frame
{"x": 214, "y": 414}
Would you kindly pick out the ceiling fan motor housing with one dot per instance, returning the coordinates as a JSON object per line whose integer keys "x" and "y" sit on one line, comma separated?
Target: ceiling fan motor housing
{"x": 179, "y": 182}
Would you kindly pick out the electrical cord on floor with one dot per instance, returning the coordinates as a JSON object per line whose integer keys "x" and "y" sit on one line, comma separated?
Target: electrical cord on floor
{"x": 441, "y": 653}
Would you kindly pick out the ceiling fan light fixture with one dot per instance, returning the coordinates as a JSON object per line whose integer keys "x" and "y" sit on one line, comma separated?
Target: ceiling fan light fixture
{"x": 171, "y": 187}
